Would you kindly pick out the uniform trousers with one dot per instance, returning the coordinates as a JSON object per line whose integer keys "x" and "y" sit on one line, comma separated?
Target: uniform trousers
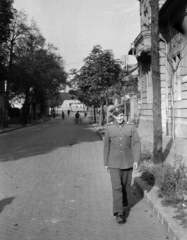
{"x": 121, "y": 188}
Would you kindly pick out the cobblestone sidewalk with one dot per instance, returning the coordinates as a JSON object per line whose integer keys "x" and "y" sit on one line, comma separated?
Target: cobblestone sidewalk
{"x": 53, "y": 186}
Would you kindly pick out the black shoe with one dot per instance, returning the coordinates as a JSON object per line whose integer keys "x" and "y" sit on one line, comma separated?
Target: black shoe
{"x": 120, "y": 218}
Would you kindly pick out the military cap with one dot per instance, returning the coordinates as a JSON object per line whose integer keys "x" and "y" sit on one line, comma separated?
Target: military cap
{"x": 117, "y": 109}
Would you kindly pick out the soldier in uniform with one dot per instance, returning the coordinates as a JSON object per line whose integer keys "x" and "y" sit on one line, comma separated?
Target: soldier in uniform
{"x": 121, "y": 155}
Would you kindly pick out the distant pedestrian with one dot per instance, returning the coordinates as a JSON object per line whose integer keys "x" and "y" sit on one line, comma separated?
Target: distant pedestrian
{"x": 77, "y": 118}
{"x": 121, "y": 155}
{"x": 85, "y": 114}
{"x": 63, "y": 115}
{"x": 68, "y": 112}
{"x": 77, "y": 115}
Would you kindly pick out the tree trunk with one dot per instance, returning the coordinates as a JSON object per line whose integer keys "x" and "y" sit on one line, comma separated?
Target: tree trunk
{"x": 23, "y": 115}
{"x": 34, "y": 111}
{"x": 94, "y": 115}
{"x": 106, "y": 110}
{"x": 6, "y": 106}
{"x": 101, "y": 115}
{"x": 27, "y": 113}
{"x": 25, "y": 109}
{"x": 157, "y": 121}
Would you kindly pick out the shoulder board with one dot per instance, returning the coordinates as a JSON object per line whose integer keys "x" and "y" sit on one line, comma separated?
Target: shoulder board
{"x": 109, "y": 124}
{"x": 130, "y": 123}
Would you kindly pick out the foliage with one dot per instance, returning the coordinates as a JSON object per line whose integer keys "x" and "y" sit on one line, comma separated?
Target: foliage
{"x": 5, "y": 19}
{"x": 38, "y": 73}
{"x": 19, "y": 32}
{"x": 131, "y": 85}
{"x": 99, "y": 73}
{"x": 146, "y": 166}
{"x": 55, "y": 100}
{"x": 35, "y": 71}
{"x": 181, "y": 171}
{"x": 73, "y": 93}
{"x": 166, "y": 179}
{"x": 146, "y": 155}
{"x": 171, "y": 180}
{"x": 127, "y": 86}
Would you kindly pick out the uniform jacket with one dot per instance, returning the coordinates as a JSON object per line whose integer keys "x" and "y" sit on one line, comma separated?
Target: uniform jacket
{"x": 121, "y": 146}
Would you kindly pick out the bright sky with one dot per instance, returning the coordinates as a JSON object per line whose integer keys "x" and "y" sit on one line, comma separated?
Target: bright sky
{"x": 75, "y": 26}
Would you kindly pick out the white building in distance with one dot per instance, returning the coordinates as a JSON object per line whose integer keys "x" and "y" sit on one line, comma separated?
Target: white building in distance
{"x": 72, "y": 105}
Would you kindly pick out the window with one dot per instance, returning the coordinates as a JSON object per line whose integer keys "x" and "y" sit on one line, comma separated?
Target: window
{"x": 176, "y": 61}
{"x": 149, "y": 86}
{"x": 140, "y": 83}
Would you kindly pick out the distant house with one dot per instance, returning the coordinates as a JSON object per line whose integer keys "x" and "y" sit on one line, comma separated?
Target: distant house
{"x": 77, "y": 106}
{"x": 71, "y": 104}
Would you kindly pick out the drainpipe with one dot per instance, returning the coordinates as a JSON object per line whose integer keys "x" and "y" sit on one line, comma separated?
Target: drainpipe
{"x": 166, "y": 75}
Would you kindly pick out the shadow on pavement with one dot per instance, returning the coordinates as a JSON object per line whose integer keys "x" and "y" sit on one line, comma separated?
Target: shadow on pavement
{"x": 5, "y": 202}
{"x": 44, "y": 138}
{"x": 135, "y": 199}
{"x": 167, "y": 149}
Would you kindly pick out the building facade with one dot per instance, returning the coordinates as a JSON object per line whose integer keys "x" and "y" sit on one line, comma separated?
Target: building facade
{"x": 72, "y": 105}
{"x": 173, "y": 66}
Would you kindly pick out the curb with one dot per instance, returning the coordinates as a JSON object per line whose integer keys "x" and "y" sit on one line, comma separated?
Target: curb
{"x": 20, "y": 127}
{"x": 163, "y": 219}
{"x": 176, "y": 234}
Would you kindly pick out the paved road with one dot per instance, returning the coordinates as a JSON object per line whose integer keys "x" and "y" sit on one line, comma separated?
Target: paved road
{"x": 53, "y": 186}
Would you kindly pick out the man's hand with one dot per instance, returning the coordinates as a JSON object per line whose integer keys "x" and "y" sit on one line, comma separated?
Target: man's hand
{"x": 135, "y": 166}
{"x": 106, "y": 168}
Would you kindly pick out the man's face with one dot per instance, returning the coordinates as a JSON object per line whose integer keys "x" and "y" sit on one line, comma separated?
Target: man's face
{"x": 119, "y": 118}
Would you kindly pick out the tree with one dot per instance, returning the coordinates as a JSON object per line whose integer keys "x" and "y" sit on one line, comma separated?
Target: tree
{"x": 5, "y": 19}
{"x": 127, "y": 85}
{"x": 55, "y": 100}
{"x": 38, "y": 73}
{"x": 34, "y": 71}
{"x": 124, "y": 89}
{"x": 19, "y": 30}
{"x": 73, "y": 93}
{"x": 99, "y": 73}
